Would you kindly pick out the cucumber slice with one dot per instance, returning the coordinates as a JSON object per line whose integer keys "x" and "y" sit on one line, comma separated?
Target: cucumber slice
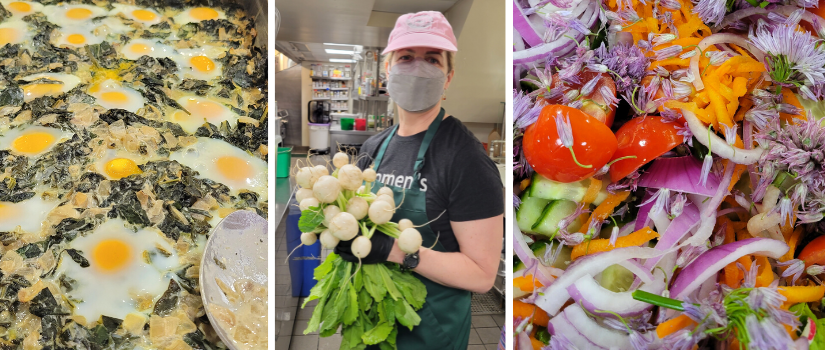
{"x": 529, "y": 212}
{"x": 552, "y": 214}
{"x": 543, "y": 187}
{"x": 616, "y": 278}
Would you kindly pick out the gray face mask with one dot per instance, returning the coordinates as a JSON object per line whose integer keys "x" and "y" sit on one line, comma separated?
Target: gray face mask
{"x": 416, "y": 86}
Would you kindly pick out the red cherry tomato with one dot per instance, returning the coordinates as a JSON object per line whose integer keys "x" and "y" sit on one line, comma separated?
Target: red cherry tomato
{"x": 593, "y": 143}
{"x": 643, "y": 137}
{"x": 814, "y": 252}
{"x": 593, "y": 104}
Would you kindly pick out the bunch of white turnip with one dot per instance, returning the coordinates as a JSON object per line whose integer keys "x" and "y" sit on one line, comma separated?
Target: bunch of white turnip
{"x": 346, "y": 204}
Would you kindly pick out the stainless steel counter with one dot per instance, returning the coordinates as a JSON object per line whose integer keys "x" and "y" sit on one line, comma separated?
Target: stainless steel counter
{"x": 284, "y": 188}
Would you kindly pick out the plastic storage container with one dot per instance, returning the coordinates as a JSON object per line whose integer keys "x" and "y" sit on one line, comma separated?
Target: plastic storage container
{"x": 304, "y": 260}
{"x": 361, "y": 124}
{"x": 318, "y": 136}
{"x": 346, "y": 123}
{"x": 284, "y": 155}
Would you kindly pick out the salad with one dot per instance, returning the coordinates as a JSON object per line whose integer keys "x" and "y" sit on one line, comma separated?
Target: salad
{"x": 669, "y": 166}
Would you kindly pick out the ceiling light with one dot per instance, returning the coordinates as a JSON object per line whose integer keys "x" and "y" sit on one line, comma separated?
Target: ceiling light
{"x": 331, "y": 44}
{"x": 339, "y": 52}
{"x": 341, "y": 60}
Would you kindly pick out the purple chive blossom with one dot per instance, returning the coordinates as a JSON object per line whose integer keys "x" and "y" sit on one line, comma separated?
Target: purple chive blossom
{"x": 614, "y": 235}
{"x": 717, "y": 57}
{"x": 570, "y": 96}
{"x": 608, "y": 96}
{"x": 785, "y": 208}
{"x": 814, "y": 270}
{"x": 516, "y": 201}
{"x": 565, "y": 130}
{"x": 628, "y": 64}
{"x": 683, "y": 339}
{"x": 730, "y": 133}
{"x": 559, "y": 342}
{"x": 659, "y": 39}
{"x": 689, "y": 53}
{"x": 525, "y": 112}
{"x": 750, "y": 274}
{"x": 578, "y": 26}
{"x": 795, "y": 268}
{"x": 596, "y": 67}
{"x": 681, "y": 89}
{"x": 677, "y": 205}
{"x": 706, "y": 165}
{"x": 577, "y": 104}
{"x": 668, "y": 52}
{"x": 791, "y": 59}
{"x": 662, "y": 201}
{"x": 689, "y": 254}
{"x": 551, "y": 254}
{"x": 711, "y": 11}
{"x": 590, "y": 85}
{"x": 672, "y": 5}
{"x": 571, "y": 238}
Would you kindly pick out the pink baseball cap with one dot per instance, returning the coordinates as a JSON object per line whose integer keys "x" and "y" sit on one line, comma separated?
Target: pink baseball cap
{"x": 422, "y": 29}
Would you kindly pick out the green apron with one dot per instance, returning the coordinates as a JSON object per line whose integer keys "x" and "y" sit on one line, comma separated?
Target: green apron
{"x": 445, "y": 317}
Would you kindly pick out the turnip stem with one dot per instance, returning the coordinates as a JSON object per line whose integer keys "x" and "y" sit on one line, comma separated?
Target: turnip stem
{"x": 342, "y": 201}
{"x": 372, "y": 231}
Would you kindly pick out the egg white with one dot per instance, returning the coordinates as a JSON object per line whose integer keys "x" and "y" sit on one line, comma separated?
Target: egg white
{"x": 184, "y": 62}
{"x": 201, "y": 110}
{"x": 205, "y": 156}
{"x": 128, "y": 11}
{"x": 97, "y": 291}
{"x": 29, "y": 214}
{"x": 16, "y": 12}
{"x": 187, "y": 15}
{"x": 105, "y": 90}
{"x": 63, "y": 37}
{"x": 8, "y": 138}
{"x": 14, "y": 31}
{"x": 68, "y": 81}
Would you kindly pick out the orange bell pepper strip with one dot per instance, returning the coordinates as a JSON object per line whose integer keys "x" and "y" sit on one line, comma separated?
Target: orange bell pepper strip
{"x": 603, "y": 245}
{"x": 792, "y": 242}
{"x": 674, "y": 324}
{"x": 524, "y": 310}
{"x": 802, "y": 294}
{"x": 764, "y": 276}
{"x": 605, "y": 209}
{"x": 593, "y": 190}
{"x": 526, "y": 283}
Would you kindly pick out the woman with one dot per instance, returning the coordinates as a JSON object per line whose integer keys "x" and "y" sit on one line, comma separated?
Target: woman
{"x": 440, "y": 175}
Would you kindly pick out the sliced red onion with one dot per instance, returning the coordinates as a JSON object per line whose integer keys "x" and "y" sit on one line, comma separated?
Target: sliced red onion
{"x": 561, "y": 326}
{"x": 718, "y": 145}
{"x": 708, "y": 208}
{"x": 537, "y": 53}
{"x": 677, "y": 230}
{"x": 597, "y": 334}
{"x": 679, "y": 174}
{"x": 518, "y": 42}
{"x": 715, "y": 259}
{"x": 523, "y": 341}
{"x": 719, "y": 38}
{"x": 552, "y": 297}
{"x": 524, "y": 28}
{"x": 592, "y": 296}
{"x": 787, "y": 10}
{"x": 637, "y": 269}
{"x": 660, "y": 220}
{"x": 643, "y": 217}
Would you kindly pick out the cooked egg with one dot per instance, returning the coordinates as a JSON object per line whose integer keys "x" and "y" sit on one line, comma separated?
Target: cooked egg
{"x": 221, "y": 162}
{"x": 122, "y": 264}
{"x": 111, "y": 94}
{"x": 198, "y": 14}
{"x": 28, "y": 214}
{"x": 14, "y": 32}
{"x": 138, "y": 14}
{"x": 21, "y": 8}
{"x": 111, "y": 26}
{"x": 140, "y": 47}
{"x": 200, "y": 63}
{"x": 202, "y": 110}
{"x": 115, "y": 165}
{"x": 62, "y": 83}
{"x": 77, "y": 36}
{"x": 71, "y": 15}
{"x": 32, "y": 140}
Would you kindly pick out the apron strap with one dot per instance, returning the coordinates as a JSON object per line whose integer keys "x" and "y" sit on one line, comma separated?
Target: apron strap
{"x": 425, "y": 144}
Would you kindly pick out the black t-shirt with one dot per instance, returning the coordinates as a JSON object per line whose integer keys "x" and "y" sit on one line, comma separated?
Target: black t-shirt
{"x": 457, "y": 175}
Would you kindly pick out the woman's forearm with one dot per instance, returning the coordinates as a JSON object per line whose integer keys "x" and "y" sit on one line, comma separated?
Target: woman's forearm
{"x": 454, "y": 270}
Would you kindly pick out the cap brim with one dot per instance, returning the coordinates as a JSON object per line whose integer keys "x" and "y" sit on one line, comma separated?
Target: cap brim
{"x": 420, "y": 40}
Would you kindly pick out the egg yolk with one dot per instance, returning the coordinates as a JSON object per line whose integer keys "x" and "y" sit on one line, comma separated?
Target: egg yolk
{"x": 33, "y": 143}
{"x": 140, "y": 49}
{"x": 7, "y": 212}
{"x": 19, "y": 6}
{"x": 111, "y": 255}
{"x": 204, "y": 109}
{"x": 114, "y": 97}
{"x": 8, "y": 36}
{"x": 144, "y": 15}
{"x": 78, "y": 13}
{"x": 234, "y": 168}
{"x": 203, "y": 13}
{"x": 77, "y": 39}
{"x": 119, "y": 168}
{"x": 202, "y": 63}
{"x": 30, "y": 92}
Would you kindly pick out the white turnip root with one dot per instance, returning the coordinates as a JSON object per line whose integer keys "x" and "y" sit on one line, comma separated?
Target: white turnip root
{"x": 385, "y": 190}
{"x": 409, "y": 240}
{"x": 381, "y": 212}
{"x": 358, "y": 207}
{"x": 384, "y": 198}
{"x": 308, "y": 203}
{"x": 344, "y": 226}
{"x": 361, "y": 247}
{"x": 303, "y": 193}
{"x": 340, "y": 159}
{"x": 328, "y": 240}
{"x": 320, "y": 170}
{"x": 326, "y": 189}
{"x": 304, "y": 177}
{"x": 350, "y": 177}
{"x": 404, "y": 224}
{"x": 369, "y": 175}
{"x": 330, "y": 212}
{"x": 308, "y": 238}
